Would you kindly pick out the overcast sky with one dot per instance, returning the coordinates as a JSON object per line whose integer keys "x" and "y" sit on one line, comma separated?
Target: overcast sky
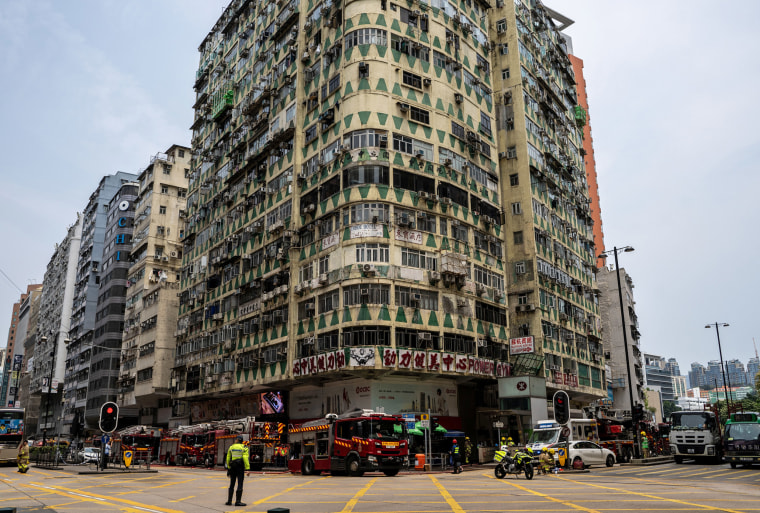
{"x": 94, "y": 87}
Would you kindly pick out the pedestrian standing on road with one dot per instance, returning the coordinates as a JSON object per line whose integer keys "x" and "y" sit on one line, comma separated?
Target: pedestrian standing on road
{"x": 237, "y": 465}
{"x": 23, "y": 457}
{"x": 467, "y": 450}
{"x": 106, "y": 454}
{"x": 456, "y": 457}
{"x": 645, "y": 444}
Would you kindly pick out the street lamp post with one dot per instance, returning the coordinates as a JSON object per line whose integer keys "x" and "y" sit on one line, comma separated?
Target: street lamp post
{"x": 615, "y": 251}
{"x": 722, "y": 367}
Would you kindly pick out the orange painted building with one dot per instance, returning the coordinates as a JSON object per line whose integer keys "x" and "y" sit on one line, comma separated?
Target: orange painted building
{"x": 588, "y": 147}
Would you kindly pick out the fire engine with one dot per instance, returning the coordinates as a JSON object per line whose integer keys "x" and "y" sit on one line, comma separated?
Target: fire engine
{"x": 615, "y": 437}
{"x": 143, "y": 441}
{"x": 207, "y": 443}
{"x": 353, "y": 443}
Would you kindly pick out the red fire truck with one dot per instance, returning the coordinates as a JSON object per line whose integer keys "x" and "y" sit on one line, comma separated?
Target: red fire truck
{"x": 207, "y": 444}
{"x": 613, "y": 435}
{"x": 143, "y": 441}
{"x": 353, "y": 443}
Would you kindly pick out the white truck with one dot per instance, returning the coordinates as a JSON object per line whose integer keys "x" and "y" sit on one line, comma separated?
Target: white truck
{"x": 696, "y": 435}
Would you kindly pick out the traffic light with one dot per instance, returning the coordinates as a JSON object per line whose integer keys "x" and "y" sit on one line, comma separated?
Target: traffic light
{"x": 638, "y": 412}
{"x": 109, "y": 417}
{"x": 561, "y": 407}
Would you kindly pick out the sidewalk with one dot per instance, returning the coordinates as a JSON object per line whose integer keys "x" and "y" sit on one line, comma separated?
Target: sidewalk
{"x": 654, "y": 460}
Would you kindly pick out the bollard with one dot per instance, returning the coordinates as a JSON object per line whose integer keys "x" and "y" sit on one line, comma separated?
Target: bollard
{"x": 278, "y": 510}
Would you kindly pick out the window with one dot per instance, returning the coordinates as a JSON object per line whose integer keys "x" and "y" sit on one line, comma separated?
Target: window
{"x": 162, "y": 210}
{"x": 416, "y": 298}
{"x": 328, "y": 341}
{"x": 489, "y": 278}
{"x": 367, "y": 36}
{"x": 328, "y": 301}
{"x": 306, "y": 309}
{"x": 365, "y": 138}
{"x": 167, "y": 170}
{"x": 504, "y": 49}
{"x": 419, "y": 259}
{"x": 514, "y": 180}
{"x": 372, "y": 252}
{"x": 512, "y": 152}
{"x": 458, "y": 343}
{"x": 164, "y": 189}
{"x": 417, "y": 339}
{"x": 306, "y": 272}
{"x": 516, "y": 208}
{"x": 517, "y": 237}
{"x": 426, "y": 222}
{"x": 485, "y": 123}
{"x": 310, "y": 134}
{"x": 519, "y": 267}
{"x": 365, "y": 174}
{"x": 413, "y": 181}
{"x": 366, "y": 293}
{"x": 412, "y": 80}
{"x": 459, "y": 231}
{"x": 458, "y": 130}
{"x": 402, "y": 143}
{"x": 367, "y": 213}
{"x": 411, "y": 146}
{"x": 419, "y": 115}
{"x": 501, "y": 26}
{"x": 366, "y": 336}
{"x": 490, "y": 313}
{"x": 181, "y": 153}
{"x": 324, "y": 264}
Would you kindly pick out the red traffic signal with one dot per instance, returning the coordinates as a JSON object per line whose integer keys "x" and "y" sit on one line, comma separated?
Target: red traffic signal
{"x": 109, "y": 417}
{"x": 561, "y": 403}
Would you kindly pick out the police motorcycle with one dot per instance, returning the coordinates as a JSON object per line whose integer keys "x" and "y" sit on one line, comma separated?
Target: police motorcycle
{"x": 521, "y": 462}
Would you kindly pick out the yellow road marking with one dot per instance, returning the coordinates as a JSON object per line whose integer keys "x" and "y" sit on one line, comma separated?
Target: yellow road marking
{"x": 100, "y": 499}
{"x": 453, "y": 504}
{"x": 723, "y": 470}
{"x": 288, "y": 490}
{"x": 548, "y": 497}
{"x": 651, "y": 496}
{"x": 355, "y": 499}
{"x": 170, "y": 484}
{"x": 183, "y": 499}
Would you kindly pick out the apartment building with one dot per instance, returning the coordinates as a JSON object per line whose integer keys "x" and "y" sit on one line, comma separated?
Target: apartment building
{"x": 13, "y": 355}
{"x": 80, "y": 397}
{"x": 53, "y": 324}
{"x": 152, "y": 305}
{"x": 366, "y": 209}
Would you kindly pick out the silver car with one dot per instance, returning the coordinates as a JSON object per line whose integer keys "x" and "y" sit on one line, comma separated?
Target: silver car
{"x": 89, "y": 454}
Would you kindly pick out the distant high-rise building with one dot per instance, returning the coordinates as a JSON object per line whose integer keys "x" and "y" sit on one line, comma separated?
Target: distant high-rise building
{"x": 736, "y": 374}
{"x": 698, "y": 376}
{"x": 150, "y": 328}
{"x": 87, "y": 366}
{"x": 14, "y": 351}
{"x": 53, "y": 324}
{"x": 753, "y": 367}
{"x": 658, "y": 376}
{"x": 672, "y": 367}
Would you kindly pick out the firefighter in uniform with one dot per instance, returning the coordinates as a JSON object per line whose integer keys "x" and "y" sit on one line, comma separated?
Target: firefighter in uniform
{"x": 23, "y": 457}
{"x": 467, "y": 450}
{"x": 456, "y": 457}
{"x": 237, "y": 465}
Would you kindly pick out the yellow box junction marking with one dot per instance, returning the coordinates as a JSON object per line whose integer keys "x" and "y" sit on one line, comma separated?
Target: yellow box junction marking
{"x": 665, "y": 499}
{"x": 101, "y": 499}
{"x": 453, "y": 504}
{"x": 547, "y": 497}
{"x": 350, "y": 505}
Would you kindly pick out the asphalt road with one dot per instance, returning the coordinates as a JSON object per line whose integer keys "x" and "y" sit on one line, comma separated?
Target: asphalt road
{"x": 670, "y": 487}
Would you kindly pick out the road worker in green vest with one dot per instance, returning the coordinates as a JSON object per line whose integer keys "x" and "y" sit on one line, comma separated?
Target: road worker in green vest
{"x": 237, "y": 464}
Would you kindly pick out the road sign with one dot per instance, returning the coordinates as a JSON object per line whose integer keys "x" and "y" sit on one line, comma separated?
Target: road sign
{"x": 564, "y": 432}
{"x": 498, "y": 424}
{"x": 127, "y": 458}
{"x": 424, "y": 416}
{"x": 409, "y": 420}
{"x": 425, "y": 423}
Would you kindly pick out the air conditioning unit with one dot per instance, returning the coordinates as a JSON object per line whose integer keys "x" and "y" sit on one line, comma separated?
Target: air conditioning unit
{"x": 424, "y": 336}
{"x": 458, "y": 98}
{"x": 308, "y": 209}
{"x": 403, "y": 106}
{"x": 461, "y": 302}
{"x": 427, "y": 81}
{"x": 323, "y": 278}
{"x": 423, "y": 195}
{"x": 435, "y": 276}
{"x": 308, "y": 341}
{"x": 218, "y": 316}
{"x": 416, "y": 299}
{"x": 369, "y": 269}
{"x": 482, "y": 342}
{"x": 446, "y": 201}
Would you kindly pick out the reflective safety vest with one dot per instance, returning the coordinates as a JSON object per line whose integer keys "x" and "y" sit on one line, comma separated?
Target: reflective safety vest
{"x": 237, "y": 452}
{"x": 456, "y": 449}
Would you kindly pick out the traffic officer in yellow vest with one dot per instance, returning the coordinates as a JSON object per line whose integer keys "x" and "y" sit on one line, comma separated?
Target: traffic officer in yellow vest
{"x": 237, "y": 465}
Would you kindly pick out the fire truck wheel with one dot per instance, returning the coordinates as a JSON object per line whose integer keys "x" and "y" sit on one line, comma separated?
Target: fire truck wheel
{"x": 207, "y": 462}
{"x": 353, "y": 465}
{"x": 307, "y": 467}
{"x": 733, "y": 464}
{"x": 183, "y": 461}
{"x": 391, "y": 473}
{"x": 610, "y": 460}
{"x": 678, "y": 459}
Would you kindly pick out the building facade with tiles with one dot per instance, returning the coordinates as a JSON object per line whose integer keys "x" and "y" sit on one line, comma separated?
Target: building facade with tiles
{"x": 358, "y": 182}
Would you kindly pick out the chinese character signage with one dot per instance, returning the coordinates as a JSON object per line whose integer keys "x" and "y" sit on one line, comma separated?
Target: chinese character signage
{"x": 412, "y": 236}
{"x": 446, "y": 362}
{"x": 522, "y": 345}
{"x": 323, "y": 362}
